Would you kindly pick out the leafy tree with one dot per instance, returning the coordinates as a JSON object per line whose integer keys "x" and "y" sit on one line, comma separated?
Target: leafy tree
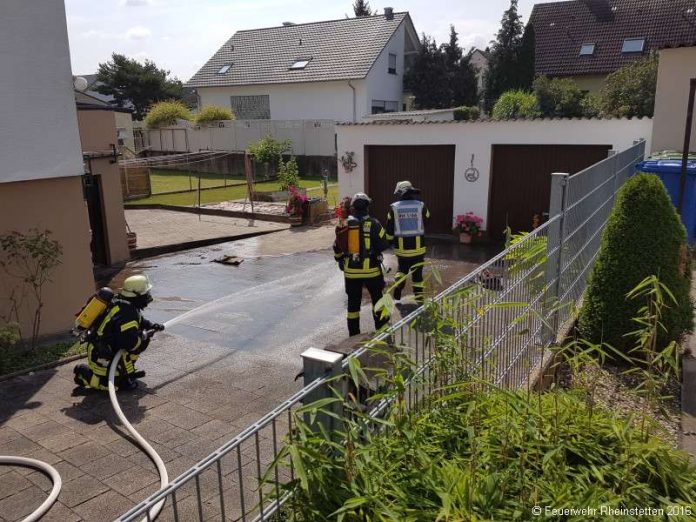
{"x": 516, "y": 104}
{"x": 166, "y": 113}
{"x": 362, "y": 8}
{"x": 630, "y": 91}
{"x": 428, "y": 78}
{"x": 141, "y": 84}
{"x": 643, "y": 237}
{"x": 558, "y": 97}
{"x": 509, "y": 63}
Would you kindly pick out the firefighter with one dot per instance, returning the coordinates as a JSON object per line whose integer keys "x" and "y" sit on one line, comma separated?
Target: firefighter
{"x": 406, "y": 221}
{"x": 363, "y": 267}
{"x": 122, "y": 327}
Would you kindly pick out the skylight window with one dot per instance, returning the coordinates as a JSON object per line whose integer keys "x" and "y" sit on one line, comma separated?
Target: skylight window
{"x": 300, "y": 63}
{"x": 587, "y": 49}
{"x": 633, "y": 45}
{"x": 225, "y": 68}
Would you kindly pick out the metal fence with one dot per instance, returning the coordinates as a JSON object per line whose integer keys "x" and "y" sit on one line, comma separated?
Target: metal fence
{"x": 500, "y": 319}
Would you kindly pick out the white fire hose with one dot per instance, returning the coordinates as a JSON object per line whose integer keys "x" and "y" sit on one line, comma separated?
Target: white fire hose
{"x": 55, "y": 477}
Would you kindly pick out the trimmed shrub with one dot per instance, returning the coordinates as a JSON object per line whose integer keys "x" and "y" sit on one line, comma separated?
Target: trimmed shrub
{"x": 591, "y": 105}
{"x": 558, "y": 97}
{"x": 211, "y": 113}
{"x": 630, "y": 91}
{"x": 516, "y": 104}
{"x": 9, "y": 337}
{"x": 166, "y": 113}
{"x": 644, "y": 236}
{"x": 467, "y": 113}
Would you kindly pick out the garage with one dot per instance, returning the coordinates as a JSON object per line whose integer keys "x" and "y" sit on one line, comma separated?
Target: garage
{"x": 428, "y": 167}
{"x": 521, "y": 180}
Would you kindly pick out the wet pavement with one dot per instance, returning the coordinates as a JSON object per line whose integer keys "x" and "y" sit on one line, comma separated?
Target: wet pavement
{"x": 229, "y": 355}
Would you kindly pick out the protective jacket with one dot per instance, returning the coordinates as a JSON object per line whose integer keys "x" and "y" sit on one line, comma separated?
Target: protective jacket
{"x": 123, "y": 328}
{"x": 367, "y": 264}
{"x": 406, "y": 222}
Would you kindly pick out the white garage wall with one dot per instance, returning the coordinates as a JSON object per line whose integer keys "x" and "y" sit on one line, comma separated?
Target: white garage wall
{"x": 477, "y": 139}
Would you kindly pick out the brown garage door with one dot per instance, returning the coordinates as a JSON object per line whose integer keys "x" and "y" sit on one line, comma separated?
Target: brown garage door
{"x": 428, "y": 167}
{"x": 521, "y": 180}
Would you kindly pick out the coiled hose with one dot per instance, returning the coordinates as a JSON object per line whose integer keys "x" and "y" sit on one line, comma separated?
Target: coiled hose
{"x": 55, "y": 477}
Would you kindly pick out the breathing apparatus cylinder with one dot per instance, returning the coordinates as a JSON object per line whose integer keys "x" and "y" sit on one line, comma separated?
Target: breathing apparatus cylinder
{"x": 94, "y": 308}
{"x": 353, "y": 225}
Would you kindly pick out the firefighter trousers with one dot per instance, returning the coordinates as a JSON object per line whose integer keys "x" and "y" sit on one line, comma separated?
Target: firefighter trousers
{"x": 96, "y": 374}
{"x": 354, "y": 289}
{"x": 406, "y": 265}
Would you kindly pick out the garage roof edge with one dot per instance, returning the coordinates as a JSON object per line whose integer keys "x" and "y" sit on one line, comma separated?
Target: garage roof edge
{"x": 469, "y": 122}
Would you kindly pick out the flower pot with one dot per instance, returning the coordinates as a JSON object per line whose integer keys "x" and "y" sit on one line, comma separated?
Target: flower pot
{"x": 465, "y": 238}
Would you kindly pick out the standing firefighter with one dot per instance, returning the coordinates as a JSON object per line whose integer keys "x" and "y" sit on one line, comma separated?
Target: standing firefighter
{"x": 358, "y": 251}
{"x": 121, "y": 326}
{"x": 406, "y": 230}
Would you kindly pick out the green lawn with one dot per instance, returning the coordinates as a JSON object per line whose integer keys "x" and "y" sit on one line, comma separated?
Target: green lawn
{"x": 186, "y": 199}
{"x": 171, "y": 180}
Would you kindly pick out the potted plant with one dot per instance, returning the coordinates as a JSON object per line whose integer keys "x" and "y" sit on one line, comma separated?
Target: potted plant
{"x": 297, "y": 206}
{"x": 342, "y": 211}
{"x": 468, "y": 226}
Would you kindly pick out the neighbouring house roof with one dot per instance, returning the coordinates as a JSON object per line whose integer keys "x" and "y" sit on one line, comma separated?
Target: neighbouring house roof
{"x": 561, "y": 29}
{"x": 342, "y": 49}
{"x": 84, "y": 100}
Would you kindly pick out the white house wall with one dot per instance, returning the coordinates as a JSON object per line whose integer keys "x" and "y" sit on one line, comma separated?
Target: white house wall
{"x": 38, "y": 136}
{"x": 298, "y": 101}
{"x": 474, "y": 141}
{"x": 380, "y": 84}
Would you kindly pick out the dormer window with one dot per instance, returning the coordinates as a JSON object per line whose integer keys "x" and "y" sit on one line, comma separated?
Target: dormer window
{"x": 392, "y": 64}
{"x": 224, "y": 68}
{"x": 300, "y": 63}
{"x": 587, "y": 49}
{"x": 633, "y": 45}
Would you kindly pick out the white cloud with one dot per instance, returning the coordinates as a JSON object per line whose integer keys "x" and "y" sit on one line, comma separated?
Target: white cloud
{"x": 135, "y": 3}
{"x": 138, "y": 33}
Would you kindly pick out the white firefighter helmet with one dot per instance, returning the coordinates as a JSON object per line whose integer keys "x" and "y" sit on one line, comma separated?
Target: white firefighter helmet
{"x": 360, "y": 196}
{"x": 136, "y": 285}
{"x": 402, "y": 187}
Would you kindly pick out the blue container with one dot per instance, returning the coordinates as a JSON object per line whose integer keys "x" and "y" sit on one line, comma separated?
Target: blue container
{"x": 669, "y": 171}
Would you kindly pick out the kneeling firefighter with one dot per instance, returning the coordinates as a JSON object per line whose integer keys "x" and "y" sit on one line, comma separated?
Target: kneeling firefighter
{"x": 406, "y": 221}
{"x": 358, "y": 252}
{"x": 120, "y": 325}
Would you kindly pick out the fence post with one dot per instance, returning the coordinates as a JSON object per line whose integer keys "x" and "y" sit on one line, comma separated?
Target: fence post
{"x": 615, "y": 174}
{"x": 554, "y": 269}
{"x": 317, "y": 363}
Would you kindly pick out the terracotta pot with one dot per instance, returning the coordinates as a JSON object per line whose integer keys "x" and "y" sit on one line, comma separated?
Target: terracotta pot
{"x": 465, "y": 238}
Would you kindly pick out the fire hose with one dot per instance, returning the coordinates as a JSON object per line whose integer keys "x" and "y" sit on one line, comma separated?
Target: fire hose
{"x": 51, "y": 472}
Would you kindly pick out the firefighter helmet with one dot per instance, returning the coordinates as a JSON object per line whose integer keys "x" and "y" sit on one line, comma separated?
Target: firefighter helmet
{"x": 359, "y": 198}
{"x": 402, "y": 187}
{"x": 135, "y": 286}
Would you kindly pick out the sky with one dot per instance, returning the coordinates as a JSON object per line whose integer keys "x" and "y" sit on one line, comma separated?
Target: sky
{"x": 181, "y": 35}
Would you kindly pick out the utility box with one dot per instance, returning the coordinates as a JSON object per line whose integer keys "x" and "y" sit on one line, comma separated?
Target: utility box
{"x": 317, "y": 363}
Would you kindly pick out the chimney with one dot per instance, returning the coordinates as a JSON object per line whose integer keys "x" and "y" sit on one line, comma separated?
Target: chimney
{"x": 287, "y": 24}
{"x": 600, "y": 8}
{"x": 389, "y": 13}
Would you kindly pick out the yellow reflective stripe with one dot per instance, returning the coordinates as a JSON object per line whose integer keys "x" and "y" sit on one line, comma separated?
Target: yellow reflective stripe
{"x": 108, "y": 318}
{"x": 366, "y": 265}
{"x": 353, "y": 315}
{"x": 418, "y": 242}
{"x": 362, "y": 275}
{"x": 368, "y": 270}
{"x": 410, "y": 253}
{"x": 390, "y": 237}
{"x": 427, "y": 213}
{"x": 338, "y": 255}
{"x": 400, "y": 246}
{"x": 381, "y": 233}
{"x": 129, "y": 325}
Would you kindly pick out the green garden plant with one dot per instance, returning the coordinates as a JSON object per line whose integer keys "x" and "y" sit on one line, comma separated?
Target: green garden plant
{"x": 516, "y": 104}
{"x": 9, "y": 337}
{"x": 630, "y": 91}
{"x": 644, "y": 236}
{"x": 30, "y": 260}
{"x": 467, "y": 113}
{"x": 288, "y": 173}
{"x": 211, "y": 113}
{"x": 165, "y": 113}
{"x": 269, "y": 152}
{"x": 558, "y": 97}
